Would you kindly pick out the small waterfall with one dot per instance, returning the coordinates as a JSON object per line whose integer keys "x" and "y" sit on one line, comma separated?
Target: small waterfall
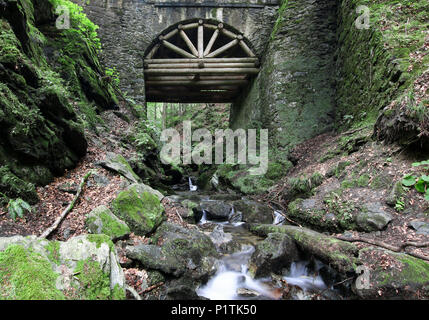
{"x": 191, "y": 186}
{"x": 228, "y": 280}
{"x": 204, "y": 217}
{"x": 299, "y": 276}
{"x": 278, "y": 218}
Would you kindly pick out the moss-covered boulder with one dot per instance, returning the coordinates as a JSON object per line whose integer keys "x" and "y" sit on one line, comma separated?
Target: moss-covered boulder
{"x": 392, "y": 275}
{"x": 373, "y": 217}
{"x": 141, "y": 211}
{"x": 102, "y": 221}
{"x": 85, "y": 267}
{"x": 340, "y": 255}
{"x": 117, "y": 163}
{"x": 253, "y": 212}
{"x": 273, "y": 254}
{"x": 177, "y": 251}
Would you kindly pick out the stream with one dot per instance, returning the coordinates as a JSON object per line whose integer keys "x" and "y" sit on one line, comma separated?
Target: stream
{"x": 233, "y": 280}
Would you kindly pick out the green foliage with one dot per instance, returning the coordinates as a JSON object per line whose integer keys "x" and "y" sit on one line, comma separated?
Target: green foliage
{"x": 114, "y": 75}
{"x": 400, "y": 205}
{"x": 18, "y": 207}
{"x": 421, "y": 182}
{"x": 81, "y": 26}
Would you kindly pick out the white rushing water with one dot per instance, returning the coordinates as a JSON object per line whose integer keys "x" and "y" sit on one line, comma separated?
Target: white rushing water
{"x": 299, "y": 276}
{"x": 226, "y": 282}
{"x": 191, "y": 186}
{"x": 278, "y": 218}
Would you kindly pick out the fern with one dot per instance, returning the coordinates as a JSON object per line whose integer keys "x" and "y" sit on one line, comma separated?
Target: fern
{"x": 18, "y": 208}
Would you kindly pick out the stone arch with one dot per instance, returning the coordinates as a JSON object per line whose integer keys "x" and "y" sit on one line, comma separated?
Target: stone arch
{"x": 198, "y": 60}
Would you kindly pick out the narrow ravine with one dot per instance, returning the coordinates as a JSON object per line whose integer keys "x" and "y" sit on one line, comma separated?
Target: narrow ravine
{"x": 236, "y": 243}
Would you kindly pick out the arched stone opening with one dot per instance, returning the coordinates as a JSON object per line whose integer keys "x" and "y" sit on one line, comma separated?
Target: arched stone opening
{"x": 198, "y": 61}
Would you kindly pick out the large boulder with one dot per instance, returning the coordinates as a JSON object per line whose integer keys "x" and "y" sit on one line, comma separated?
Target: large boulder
{"x": 273, "y": 254}
{"x": 85, "y": 267}
{"x": 102, "y": 221}
{"x": 141, "y": 187}
{"x": 373, "y": 217}
{"x": 391, "y": 275}
{"x": 141, "y": 211}
{"x": 253, "y": 212}
{"x": 117, "y": 163}
{"x": 177, "y": 251}
{"x": 216, "y": 210}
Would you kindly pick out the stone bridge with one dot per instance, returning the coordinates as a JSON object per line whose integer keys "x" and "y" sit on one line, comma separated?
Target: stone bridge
{"x": 129, "y": 29}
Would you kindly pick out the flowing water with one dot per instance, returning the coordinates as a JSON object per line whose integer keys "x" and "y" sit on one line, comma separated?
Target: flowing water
{"x": 232, "y": 280}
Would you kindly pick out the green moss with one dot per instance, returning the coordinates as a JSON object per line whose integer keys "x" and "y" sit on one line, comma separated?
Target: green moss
{"x": 99, "y": 239}
{"x": 363, "y": 180}
{"x": 53, "y": 248}
{"x": 26, "y": 275}
{"x": 110, "y": 226}
{"x": 141, "y": 211}
{"x": 13, "y": 187}
{"x": 94, "y": 283}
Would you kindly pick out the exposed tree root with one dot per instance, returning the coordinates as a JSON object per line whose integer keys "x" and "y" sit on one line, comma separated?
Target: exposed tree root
{"x": 67, "y": 210}
{"x": 152, "y": 288}
{"x": 402, "y": 248}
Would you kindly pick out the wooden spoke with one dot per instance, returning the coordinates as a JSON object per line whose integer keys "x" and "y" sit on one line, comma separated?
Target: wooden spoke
{"x": 201, "y": 40}
{"x": 188, "y": 43}
{"x": 211, "y": 42}
{"x": 177, "y": 49}
{"x": 223, "y": 49}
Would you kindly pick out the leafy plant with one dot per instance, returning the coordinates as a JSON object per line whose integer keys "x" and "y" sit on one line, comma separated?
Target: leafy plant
{"x": 420, "y": 183}
{"x": 18, "y": 207}
{"x": 114, "y": 75}
{"x": 400, "y": 205}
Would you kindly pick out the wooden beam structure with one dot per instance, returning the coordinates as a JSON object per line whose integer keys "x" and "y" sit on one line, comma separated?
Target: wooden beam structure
{"x": 199, "y": 62}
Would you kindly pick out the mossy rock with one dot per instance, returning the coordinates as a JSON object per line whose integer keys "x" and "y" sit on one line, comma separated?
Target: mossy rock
{"x": 117, "y": 163}
{"x": 102, "y": 221}
{"x": 27, "y": 275}
{"x": 183, "y": 251}
{"x": 13, "y": 187}
{"x": 340, "y": 255}
{"x": 85, "y": 267}
{"x": 406, "y": 277}
{"x": 141, "y": 211}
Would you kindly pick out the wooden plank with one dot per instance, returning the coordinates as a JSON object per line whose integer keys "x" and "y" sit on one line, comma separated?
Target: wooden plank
{"x": 193, "y": 77}
{"x": 205, "y": 60}
{"x": 178, "y": 72}
{"x": 191, "y": 88}
{"x": 189, "y": 43}
{"x": 197, "y": 65}
{"x": 196, "y": 83}
{"x": 223, "y": 49}
{"x": 205, "y": 99}
{"x": 190, "y": 26}
{"x": 177, "y": 49}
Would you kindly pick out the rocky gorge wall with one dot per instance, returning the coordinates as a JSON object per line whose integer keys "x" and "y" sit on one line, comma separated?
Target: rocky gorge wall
{"x": 128, "y": 27}
{"x": 321, "y": 71}
{"x": 294, "y": 94}
{"x": 50, "y": 85}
